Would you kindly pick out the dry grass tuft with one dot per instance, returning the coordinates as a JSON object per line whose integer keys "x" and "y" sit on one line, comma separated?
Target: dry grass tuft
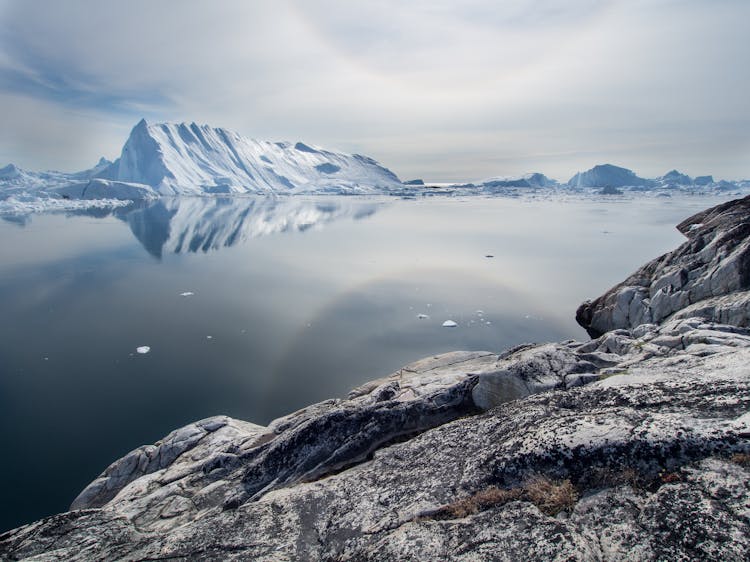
{"x": 742, "y": 459}
{"x": 550, "y": 496}
{"x": 480, "y": 501}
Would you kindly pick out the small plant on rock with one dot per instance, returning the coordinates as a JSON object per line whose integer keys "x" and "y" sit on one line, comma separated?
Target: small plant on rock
{"x": 550, "y": 496}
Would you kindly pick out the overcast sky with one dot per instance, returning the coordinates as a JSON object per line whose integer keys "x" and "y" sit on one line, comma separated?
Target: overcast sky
{"x": 442, "y": 90}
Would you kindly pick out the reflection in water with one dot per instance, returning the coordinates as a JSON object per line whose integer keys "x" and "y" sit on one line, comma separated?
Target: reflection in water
{"x": 20, "y": 220}
{"x": 201, "y": 224}
{"x": 193, "y": 224}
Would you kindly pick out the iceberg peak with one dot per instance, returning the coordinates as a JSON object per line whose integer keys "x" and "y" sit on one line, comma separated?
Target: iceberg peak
{"x": 181, "y": 158}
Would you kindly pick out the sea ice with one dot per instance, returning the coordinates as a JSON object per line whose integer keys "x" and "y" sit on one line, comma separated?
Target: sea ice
{"x": 143, "y": 349}
{"x": 423, "y": 316}
{"x": 187, "y": 294}
{"x": 449, "y": 324}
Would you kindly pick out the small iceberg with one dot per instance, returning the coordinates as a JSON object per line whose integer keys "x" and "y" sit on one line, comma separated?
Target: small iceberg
{"x": 142, "y": 349}
{"x": 187, "y": 294}
{"x": 449, "y": 324}
{"x": 423, "y": 316}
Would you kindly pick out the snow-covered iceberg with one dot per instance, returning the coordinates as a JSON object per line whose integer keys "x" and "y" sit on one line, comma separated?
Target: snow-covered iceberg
{"x": 98, "y": 188}
{"x": 190, "y": 159}
{"x": 608, "y": 175}
{"x": 23, "y": 192}
{"x": 533, "y": 180}
{"x": 165, "y": 159}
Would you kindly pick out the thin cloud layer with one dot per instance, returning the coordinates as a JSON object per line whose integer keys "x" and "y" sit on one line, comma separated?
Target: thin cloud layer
{"x": 440, "y": 90}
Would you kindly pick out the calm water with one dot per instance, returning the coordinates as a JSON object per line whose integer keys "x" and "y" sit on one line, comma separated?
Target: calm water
{"x": 294, "y": 301}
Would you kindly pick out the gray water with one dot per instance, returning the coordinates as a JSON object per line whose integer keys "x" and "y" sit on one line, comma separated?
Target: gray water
{"x": 295, "y": 301}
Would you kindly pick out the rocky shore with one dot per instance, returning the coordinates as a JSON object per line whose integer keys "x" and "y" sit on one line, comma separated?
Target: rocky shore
{"x": 634, "y": 445}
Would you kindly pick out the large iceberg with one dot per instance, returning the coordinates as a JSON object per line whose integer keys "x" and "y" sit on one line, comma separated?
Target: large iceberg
{"x": 190, "y": 159}
{"x": 180, "y": 159}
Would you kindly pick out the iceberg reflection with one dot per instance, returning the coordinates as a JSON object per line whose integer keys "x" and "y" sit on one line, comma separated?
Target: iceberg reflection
{"x": 183, "y": 225}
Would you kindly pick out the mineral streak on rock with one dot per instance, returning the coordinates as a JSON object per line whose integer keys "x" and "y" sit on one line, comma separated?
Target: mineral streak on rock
{"x": 647, "y": 426}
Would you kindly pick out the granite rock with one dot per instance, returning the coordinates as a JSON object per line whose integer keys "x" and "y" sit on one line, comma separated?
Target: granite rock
{"x": 709, "y": 276}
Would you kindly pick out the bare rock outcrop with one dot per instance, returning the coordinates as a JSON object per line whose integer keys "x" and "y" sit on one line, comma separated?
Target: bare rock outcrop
{"x": 708, "y": 276}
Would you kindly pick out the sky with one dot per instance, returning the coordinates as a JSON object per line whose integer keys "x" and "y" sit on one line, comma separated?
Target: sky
{"x": 433, "y": 89}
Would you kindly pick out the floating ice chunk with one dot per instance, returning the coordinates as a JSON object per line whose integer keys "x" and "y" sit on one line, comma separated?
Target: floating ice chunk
{"x": 423, "y": 316}
{"x": 209, "y": 337}
{"x": 143, "y": 349}
{"x": 480, "y": 312}
{"x": 449, "y": 324}
{"x": 187, "y": 294}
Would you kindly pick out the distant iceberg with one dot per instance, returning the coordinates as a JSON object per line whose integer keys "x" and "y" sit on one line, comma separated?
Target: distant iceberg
{"x": 607, "y": 175}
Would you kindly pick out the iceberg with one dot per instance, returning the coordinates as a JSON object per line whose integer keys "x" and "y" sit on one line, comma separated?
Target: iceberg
{"x": 191, "y": 159}
{"x": 167, "y": 159}
{"x": 607, "y": 175}
{"x": 105, "y": 189}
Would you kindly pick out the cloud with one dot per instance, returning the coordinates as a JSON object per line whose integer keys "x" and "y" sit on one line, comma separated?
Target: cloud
{"x": 437, "y": 89}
